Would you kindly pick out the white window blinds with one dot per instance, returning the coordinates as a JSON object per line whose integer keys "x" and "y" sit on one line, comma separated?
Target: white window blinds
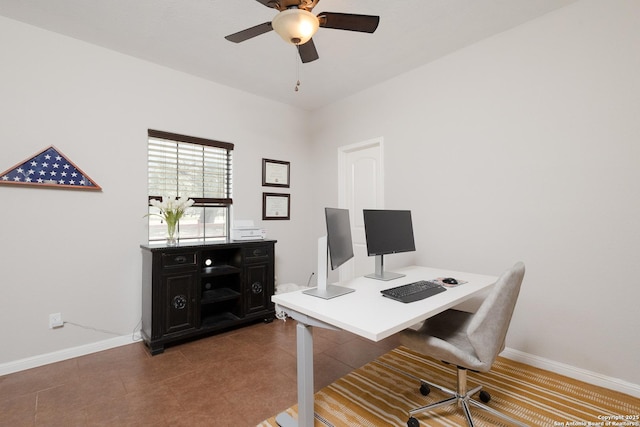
{"x": 182, "y": 166}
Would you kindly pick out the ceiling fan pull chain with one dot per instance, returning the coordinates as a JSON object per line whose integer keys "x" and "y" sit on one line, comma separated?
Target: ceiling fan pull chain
{"x": 297, "y": 69}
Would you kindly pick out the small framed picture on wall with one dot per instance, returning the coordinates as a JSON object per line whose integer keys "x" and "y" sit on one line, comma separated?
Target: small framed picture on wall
{"x": 275, "y": 173}
{"x": 275, "y": 206}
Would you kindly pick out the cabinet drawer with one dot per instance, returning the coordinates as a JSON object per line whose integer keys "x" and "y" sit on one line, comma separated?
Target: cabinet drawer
{"x": 257, "y": 253}
{"x": 179, "y": 259}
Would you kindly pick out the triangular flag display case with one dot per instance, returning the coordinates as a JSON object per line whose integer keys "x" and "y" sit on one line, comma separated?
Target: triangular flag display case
{"x": 48, "y": 169}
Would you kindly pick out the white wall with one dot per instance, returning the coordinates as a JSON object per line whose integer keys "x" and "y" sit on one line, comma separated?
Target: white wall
{"x": 77, "y": 252}
{"x": 525, "y": 147}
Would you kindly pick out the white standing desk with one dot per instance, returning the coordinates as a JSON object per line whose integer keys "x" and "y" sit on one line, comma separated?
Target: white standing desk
{"x": 367, "y": 313}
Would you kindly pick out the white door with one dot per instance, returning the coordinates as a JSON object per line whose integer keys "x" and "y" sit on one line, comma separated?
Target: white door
{"x": 361, "y": 186}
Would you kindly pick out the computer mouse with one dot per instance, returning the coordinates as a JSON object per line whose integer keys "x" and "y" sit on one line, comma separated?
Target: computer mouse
{"x": 450, "y": 281}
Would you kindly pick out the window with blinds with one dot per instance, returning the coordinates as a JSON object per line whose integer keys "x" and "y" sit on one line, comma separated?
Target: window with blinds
{"x": 195, "y": 168}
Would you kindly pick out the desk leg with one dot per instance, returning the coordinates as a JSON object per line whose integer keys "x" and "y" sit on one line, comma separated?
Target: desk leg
{"x": 305, "y": 375}
{"x": 304, "y": 350}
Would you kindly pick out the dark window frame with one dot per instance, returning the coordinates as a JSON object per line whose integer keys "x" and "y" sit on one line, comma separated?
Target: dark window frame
{"x": 202, "y": 202}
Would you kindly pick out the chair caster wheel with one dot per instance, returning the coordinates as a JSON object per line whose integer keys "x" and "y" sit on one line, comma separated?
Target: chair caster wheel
{"x": 485, "y": 397}
{"x": 413, "y": 422}
{"x": 424, "y": 390}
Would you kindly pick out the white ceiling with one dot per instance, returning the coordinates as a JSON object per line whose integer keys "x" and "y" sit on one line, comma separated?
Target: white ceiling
{"x": 188, "y": 35}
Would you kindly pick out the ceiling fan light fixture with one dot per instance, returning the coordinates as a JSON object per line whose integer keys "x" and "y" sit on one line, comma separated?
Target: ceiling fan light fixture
{"x": 295, "y": 26}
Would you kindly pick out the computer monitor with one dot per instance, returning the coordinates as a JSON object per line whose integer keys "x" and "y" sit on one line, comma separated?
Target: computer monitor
{"x": 387, "y": 232}
{"x": 338, "y": 236}
{"x": 338, "y": 244}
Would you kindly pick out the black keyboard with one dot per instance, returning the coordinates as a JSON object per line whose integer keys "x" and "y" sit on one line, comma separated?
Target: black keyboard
{"x": 413, "y": 291}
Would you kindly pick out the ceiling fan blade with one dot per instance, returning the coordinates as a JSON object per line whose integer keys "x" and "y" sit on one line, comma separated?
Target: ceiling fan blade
{"x": 308, "y": 52}
{"x": 349, "y": 21}
{"x": 249, "y": 33}
{"x": 269, "y": 3}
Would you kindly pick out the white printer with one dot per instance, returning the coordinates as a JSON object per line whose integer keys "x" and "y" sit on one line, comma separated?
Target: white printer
{"x": 246, "y": 230}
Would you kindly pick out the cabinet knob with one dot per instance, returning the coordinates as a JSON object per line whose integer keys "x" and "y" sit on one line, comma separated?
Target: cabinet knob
{"x": 256, "y": 288}
{"x": 179, "y": 302}
{"x": 180, "y": 259}
{"x": 257, "y": 252}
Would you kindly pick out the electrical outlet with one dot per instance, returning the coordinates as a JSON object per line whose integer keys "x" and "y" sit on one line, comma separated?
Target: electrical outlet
{"x": 55, "y": 320}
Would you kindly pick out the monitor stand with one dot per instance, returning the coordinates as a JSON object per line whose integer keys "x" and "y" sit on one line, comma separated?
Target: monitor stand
{"x": 380, "y": 274}
{"x": 323, "y": 290}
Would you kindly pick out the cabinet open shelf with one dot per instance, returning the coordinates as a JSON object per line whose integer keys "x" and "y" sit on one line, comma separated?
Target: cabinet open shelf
{"x": 219, "y": 270}
{"x": 217, "y": 295}
{"x": 219, "y": 319}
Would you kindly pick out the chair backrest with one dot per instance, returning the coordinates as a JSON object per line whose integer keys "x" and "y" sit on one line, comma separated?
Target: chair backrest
{"x": 488, "y": 328}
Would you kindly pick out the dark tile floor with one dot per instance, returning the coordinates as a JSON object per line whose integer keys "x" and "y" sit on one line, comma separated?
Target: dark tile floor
{"x": 238, "y": 378}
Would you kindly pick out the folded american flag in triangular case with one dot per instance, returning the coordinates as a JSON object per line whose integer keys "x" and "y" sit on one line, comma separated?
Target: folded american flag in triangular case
{"x": 48, "y": 169}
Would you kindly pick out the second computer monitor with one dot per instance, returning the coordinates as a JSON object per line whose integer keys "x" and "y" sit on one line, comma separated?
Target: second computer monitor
{"x": 338, "y": 236}
{"x": 387, "y": 232}
{"x": 340, "y": 247}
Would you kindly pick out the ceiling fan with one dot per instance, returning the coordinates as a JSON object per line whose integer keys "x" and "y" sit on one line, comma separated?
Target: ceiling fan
{"x": 296, "y": 25}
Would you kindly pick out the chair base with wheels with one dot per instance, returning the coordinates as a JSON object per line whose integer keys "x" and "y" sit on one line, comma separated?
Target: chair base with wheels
{"x": 462, "y": 397}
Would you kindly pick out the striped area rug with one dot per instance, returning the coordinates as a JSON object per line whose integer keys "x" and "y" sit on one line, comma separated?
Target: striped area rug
{"x": 377, "y": 395}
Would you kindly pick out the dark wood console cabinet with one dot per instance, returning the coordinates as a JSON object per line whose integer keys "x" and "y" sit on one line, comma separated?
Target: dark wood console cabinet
{"x": 197, "y": 289}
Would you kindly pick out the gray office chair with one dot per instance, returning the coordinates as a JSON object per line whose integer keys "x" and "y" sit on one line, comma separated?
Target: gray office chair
{"x": 471, "y": 341}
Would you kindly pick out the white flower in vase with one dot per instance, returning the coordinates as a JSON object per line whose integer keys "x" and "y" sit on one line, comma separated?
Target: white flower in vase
{"x": 171, "y": 210}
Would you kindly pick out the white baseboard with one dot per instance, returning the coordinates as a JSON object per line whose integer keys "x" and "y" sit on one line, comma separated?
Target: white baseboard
{"x": 68, "y": 353}
{"x": 573, "y": 372}
{"x": 519, "y": 356}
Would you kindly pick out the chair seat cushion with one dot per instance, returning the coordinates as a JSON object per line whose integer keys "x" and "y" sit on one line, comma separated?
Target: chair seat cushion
{"x": 444, "y": 338}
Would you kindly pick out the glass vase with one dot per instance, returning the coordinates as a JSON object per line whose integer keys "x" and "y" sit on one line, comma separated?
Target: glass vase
{"x": 172, "y": 234}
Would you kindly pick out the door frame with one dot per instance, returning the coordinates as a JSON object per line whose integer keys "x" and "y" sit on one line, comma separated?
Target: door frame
{"x": 343, "y": 152}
